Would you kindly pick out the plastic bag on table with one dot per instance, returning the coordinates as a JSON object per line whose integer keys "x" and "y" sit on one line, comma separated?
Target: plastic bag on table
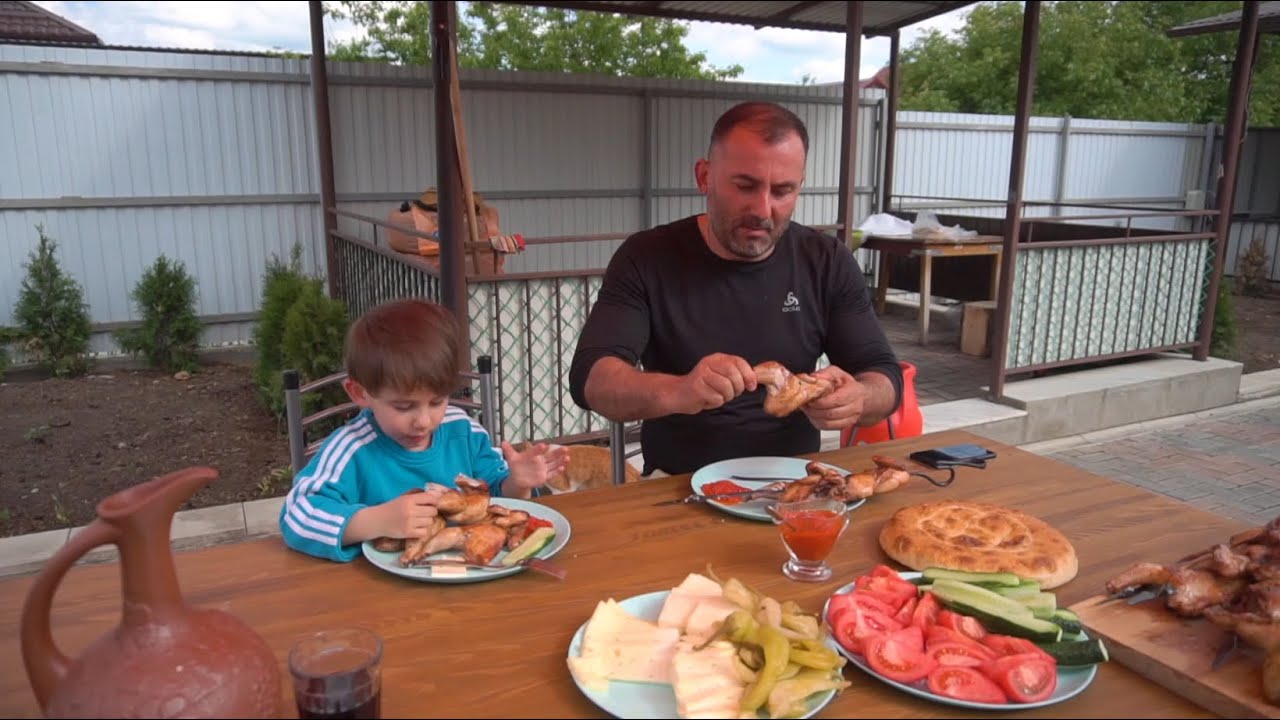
{"x": 927, "y": 227}
{"x": 885, "y": 224}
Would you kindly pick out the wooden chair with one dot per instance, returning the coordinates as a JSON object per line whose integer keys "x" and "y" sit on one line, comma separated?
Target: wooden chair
{"x": 300, "y": 450}
{"x": 618, "y": 448}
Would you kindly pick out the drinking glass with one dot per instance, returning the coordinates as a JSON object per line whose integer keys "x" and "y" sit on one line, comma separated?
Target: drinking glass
{"x": 809, "y": 530}
{"x": 338, "y": 674}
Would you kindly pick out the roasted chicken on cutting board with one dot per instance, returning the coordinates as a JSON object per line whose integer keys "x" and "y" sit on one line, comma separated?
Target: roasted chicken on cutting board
{"x": 1235, "y": 585}
{"x": 467, "y": 522}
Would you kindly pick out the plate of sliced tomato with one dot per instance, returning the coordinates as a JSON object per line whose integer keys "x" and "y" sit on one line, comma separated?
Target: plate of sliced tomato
{"x": 885, "y": 627}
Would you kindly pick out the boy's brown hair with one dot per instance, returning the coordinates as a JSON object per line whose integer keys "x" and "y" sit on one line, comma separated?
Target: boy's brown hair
{"x": 404, "y": 346}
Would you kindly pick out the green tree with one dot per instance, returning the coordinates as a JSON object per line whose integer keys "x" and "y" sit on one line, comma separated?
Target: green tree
{"x": 498, "y": 36}
{"x": 52, "y": 315}
{"x": 1096, "y": 60}
{"x": 169, "y": 335}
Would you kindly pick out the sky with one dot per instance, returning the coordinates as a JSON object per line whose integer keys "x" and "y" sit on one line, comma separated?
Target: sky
{"x": 768, "y": 55}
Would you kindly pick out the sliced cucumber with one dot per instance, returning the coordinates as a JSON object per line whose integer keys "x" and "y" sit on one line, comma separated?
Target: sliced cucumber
{"x": 537, "y": 540}
{"x": 1026, "y": 588}
{"x": 1077, "y": 652}
{"x": 1043, "y": 605}
{"x": 997, "y": 613}
{"x": 997, "y": 578}
{"x": 1069, "y": 621}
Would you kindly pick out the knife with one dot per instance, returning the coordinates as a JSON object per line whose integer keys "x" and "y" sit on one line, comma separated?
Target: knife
{"x": 765, "y": 491}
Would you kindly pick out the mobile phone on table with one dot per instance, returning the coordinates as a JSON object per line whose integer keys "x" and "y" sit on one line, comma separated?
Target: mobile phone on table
{"x": 967, "y": 455}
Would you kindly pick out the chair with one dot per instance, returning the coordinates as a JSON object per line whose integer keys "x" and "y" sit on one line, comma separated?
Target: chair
{"x": 907, "y": 421}
{"x": 618, "y": 449}
{"x": 294, "y": 391}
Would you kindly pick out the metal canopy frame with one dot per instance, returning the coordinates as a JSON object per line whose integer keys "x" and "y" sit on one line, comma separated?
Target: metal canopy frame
{"x": 859, "y": 19}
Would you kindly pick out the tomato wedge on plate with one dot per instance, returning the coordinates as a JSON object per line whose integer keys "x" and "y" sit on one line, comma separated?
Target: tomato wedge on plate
{"x": 900, "y": 655}
{"x": 1004, "y": 645}
{"x": 963, "y": 623}
{"x": 856, "y": 624}
{"x": 925, "y": 615}
{"x": 959, "y": 653}
{"x": 965, "y": 683}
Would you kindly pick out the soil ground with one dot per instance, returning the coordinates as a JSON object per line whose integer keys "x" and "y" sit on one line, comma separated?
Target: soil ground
{"x": 67, "y": 444}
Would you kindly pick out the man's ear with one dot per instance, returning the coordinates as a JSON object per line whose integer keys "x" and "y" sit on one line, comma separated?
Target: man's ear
{"x": 701, "y": 168}
{"x": 356, "y": 392}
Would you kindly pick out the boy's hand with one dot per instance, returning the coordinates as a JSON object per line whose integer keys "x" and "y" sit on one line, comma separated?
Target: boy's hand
{"x": 411, "y": 515}
{"x": 532, "y": 468}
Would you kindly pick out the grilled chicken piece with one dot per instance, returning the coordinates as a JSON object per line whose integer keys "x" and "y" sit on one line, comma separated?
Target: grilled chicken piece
{"x": 1196, "y": 590}
{"x": 1137, "y": 575}
{"x": 787, "y": 392}
{"x": 468, "y": 504}
{"x": 1228, "y": 563}
{"x": 480, "y": 542}
{"x": 416, "y": 548}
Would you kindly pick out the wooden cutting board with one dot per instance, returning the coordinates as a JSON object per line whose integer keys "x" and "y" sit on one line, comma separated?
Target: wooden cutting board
{"x": 1178, "y": 653}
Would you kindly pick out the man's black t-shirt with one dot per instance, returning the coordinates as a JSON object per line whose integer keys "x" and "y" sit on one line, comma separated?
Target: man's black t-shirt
{"x": 667, "y": 301}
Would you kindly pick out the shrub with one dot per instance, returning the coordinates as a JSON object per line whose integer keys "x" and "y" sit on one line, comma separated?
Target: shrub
{"x": 281, "y": 285}
{"x": 1253, "y": 268}
{"x": 314, "y": 330}
{"x": 165, "y": 297}
{"x": 1222, "y": 341}
{"x": 53, "y": 318}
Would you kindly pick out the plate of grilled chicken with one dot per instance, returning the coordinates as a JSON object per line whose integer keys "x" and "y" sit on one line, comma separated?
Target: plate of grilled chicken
{"x": 477, "y": 537}
{"x": 747, "y": 486}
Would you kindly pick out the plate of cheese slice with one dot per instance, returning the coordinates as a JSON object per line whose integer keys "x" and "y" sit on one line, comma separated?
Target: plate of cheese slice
{"x": 644, "y": 657}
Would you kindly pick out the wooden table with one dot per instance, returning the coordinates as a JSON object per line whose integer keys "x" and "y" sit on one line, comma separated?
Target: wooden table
{"x": 497, "y": 649}
{"x": 927, "y": 250}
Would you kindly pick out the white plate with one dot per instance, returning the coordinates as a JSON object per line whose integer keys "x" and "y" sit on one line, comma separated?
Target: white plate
{"x": 390, "y": 561}
{"x": 653, "y": 700}
{"x": 763, "y": 466}
{"x": 1071, "y": 681}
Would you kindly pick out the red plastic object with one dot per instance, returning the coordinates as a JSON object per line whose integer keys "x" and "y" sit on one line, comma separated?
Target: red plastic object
{"x": 907, "y": 420}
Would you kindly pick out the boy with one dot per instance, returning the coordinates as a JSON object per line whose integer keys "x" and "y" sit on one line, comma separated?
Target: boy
{"x": 402, "y": 366}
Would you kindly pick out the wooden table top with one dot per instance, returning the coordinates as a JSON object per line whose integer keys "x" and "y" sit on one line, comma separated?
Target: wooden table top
{"x": 497, "y": 648}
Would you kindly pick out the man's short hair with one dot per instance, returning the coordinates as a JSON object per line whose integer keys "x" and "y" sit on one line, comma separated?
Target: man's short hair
{"x": 770, "y": 121}
{"x": 406, "y": 346}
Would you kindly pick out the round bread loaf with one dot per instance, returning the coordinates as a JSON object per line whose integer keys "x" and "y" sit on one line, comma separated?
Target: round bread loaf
{"x": 979, "y": 537}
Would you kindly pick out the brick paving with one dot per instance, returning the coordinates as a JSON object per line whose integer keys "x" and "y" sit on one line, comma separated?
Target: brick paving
{"x": 1225, "y": 461}
{"x": 943, "y": 373}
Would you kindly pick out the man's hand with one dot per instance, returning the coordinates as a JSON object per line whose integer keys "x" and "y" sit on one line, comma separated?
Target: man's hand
{"x": 840, "y": 408}
{"x": 714, "y": 381}
{"x": 532, "y": 468}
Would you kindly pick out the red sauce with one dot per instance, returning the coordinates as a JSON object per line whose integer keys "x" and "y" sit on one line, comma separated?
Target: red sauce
{"x": 811, "y": 534}
{"x": 724, "y": 486}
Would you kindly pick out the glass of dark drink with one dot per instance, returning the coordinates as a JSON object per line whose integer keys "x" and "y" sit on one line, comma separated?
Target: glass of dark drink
{"x": 338, "y": 674}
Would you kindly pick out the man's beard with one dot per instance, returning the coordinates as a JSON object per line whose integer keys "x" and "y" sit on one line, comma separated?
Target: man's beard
{"x": 749, "y": 248}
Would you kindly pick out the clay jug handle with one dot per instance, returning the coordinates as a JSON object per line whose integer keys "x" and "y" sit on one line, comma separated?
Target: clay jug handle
{"x": 46, "y": 665}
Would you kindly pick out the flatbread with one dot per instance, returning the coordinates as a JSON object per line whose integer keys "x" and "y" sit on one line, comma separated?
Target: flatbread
{"x": 979, "y": 537}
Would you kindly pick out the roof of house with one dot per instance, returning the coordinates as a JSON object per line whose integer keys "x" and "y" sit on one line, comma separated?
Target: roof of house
{"x": 26, "y": 21}
{"x": 1268, "y": 22}
{"x": 878, "y": 18}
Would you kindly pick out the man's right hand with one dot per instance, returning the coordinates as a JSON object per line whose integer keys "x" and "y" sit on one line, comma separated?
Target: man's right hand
{"x": 714, "y": 381}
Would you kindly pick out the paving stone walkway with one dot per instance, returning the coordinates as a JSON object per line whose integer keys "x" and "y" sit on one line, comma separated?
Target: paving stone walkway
{"x": 1226, "y": 461}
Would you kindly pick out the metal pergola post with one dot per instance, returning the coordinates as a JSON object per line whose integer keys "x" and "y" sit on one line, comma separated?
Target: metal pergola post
{"x": 1232, "y": 137}
{"x": 324, "y": 144}
{"x": 849, "y": 122}
{"x": 1013, "y": 206}
{"x": 891, "y": 122}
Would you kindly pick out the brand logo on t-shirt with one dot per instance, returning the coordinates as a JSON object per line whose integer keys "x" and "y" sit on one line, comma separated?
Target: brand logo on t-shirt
{"x": 791, "y": 304}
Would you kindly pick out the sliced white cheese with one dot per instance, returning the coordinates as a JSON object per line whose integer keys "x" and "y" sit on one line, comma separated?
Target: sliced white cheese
{"x": 677, "y": 609}
{"x": 448, "y": 570}
{"x": 705, "y": 683}
{"x": 622, "y": 647}
{"x": 590, "y": 672}
{"x": 696, "y": 584}
{"x": 709, "y": 611}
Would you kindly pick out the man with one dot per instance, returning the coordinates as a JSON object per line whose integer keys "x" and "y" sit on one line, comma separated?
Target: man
{"x": 700, "y": 301}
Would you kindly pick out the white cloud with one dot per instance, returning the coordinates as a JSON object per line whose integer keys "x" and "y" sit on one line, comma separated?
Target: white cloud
{"x": 769, "y": 55}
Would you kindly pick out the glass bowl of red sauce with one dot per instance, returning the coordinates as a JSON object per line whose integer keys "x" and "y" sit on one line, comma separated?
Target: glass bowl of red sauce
{"x": 809, "y": 530}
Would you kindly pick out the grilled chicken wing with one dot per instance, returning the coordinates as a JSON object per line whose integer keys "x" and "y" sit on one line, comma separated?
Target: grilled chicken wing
{"x": 787, "y": 392}
{"x": 480, "y": 543}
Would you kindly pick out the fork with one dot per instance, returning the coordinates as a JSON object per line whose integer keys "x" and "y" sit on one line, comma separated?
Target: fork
{"x": 537, "y": 564}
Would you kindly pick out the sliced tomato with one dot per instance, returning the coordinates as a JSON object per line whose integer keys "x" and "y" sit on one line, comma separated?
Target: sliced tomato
{"x": 959, "y": 653}
{"x": 900, "y": 655}
{"x": 841, "y": 602}
{"x": 925, "y": 615}
{"x": 893, "y": 590}
{"x": 965, "y": 683}
{"x": 906, "y": 612}
{"x": 1004, "y": 645}
{"x": 856, "y": 625}
{"x": 962, "y": 623}
{"x": 883, "y": 570}
{"x": 1025, "y": 678}
{"x": 937, "y": 635}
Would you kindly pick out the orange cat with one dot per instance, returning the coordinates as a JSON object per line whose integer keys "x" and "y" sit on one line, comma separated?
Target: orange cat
{"x": 589, "y": 466}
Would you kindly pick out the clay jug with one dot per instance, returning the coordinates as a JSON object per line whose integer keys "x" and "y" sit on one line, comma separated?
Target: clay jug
{"x": 165, "y": 659}
{"x": 907, "y": 421}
